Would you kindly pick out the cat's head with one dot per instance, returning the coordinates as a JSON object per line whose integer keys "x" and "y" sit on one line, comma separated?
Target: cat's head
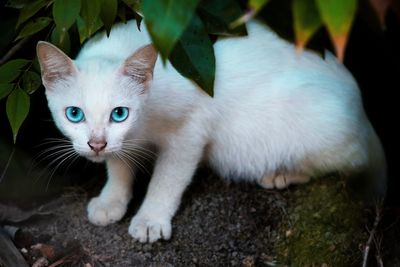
{"x": 96, "y": 103}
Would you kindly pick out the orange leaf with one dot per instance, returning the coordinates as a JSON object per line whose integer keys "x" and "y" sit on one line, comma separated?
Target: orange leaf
{"x": 380, "y": 7}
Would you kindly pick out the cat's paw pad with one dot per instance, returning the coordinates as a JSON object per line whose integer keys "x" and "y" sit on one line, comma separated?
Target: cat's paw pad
{"x": 103, "y": 213}
{"x": 144, "y": 229}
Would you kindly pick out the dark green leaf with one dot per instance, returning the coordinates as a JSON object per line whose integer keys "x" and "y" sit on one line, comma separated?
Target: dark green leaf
{"x": 90, "y": 12}
{"x": 33, "y": 27}
{"x": 17, "y": 3}
{"x": 121, "y": 13}
{"x": 133, "y": 4}
{"x": 108, "y": 13}
{"x": 5, "y": 89}
{"x": 138, "y": 19}
{"x": 31, "y": 82}
{"x": 166, "y": 20}
{"x": 29, "y": 10}
{"x": 218, "y": 15}
{"x": 193, "y": 56}
{"x": 65, "y": 14}
{"x": 64, "y": 44}
{"x": 338, "y": 17}
{"x": 17, "y": 107}
{"x": 7, "y": 26}
{"x": 36, "y": 65}
{"x": 11, "y": 70}
{"x": 83, "y": 32}
{"x": 306, "y": 20}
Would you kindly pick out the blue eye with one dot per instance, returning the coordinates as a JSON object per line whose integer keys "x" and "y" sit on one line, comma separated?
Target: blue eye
{"x": 74, "y": 114}
{"x": 119, "y": 114}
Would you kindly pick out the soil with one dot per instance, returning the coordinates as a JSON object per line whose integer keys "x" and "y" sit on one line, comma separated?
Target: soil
{"x": 218, "y": 224}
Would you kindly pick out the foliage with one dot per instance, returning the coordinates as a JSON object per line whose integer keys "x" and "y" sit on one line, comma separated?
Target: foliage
{"x": 183, "y": 32}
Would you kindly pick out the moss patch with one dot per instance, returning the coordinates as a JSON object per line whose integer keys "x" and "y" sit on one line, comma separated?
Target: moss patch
{"x": 324, "y": 227}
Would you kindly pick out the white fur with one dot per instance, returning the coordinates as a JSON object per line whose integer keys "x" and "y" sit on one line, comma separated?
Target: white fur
{"x": 273, "y": 111}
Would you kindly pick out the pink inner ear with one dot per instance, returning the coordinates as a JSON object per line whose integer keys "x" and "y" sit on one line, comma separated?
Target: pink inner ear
{"x": 55, "y": 65}
{"x": 138, "y": 71}
{"x": 140, "y": 65}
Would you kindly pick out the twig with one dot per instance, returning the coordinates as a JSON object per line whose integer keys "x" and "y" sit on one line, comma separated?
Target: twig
{"x": 372, "y": 233}
{"x": 378, "y": 247}
{"x": 13, "y": 50}
{"x": 3, "y": 174}
{"x": 379, "y": 260}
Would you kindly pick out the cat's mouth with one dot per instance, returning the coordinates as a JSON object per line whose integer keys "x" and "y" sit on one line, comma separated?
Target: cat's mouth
{"x": 95, "y": 157}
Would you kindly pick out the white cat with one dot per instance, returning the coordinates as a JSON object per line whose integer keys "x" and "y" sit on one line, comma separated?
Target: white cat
{"x": 277, "y": 117}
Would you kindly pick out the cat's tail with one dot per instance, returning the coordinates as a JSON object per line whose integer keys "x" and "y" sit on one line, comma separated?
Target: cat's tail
{"x": 375, "y": 170}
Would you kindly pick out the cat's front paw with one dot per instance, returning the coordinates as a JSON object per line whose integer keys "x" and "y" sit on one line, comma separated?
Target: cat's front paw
{"x": 102, "y": 212}
{"x": 146, "y": 229}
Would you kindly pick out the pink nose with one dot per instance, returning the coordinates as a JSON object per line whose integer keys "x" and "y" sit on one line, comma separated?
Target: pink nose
{"x": 97, "y": 145}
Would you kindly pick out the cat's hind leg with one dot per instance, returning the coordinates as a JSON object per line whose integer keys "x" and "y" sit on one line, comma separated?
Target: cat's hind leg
{"x": 281, "y": 181}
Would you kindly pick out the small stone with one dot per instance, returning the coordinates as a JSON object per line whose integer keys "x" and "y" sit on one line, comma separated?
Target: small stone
{"x": 288, "y": 233}
{"x": 249, "y": 261}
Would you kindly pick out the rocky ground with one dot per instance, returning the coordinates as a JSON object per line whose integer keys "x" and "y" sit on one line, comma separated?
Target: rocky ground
{"x": 218, "y": 224}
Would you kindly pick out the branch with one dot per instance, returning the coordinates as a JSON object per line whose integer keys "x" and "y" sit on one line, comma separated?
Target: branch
{"x": 372, "y": 233}
{"x": 13, "y": 50}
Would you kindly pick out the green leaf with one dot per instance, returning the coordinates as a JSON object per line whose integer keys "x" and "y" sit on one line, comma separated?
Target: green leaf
{"x": 11, "y": 70}
{"x": 83, "y": 30}
{"x": 218, "y": 15}
{"x": 31, "y": 81}
{"x": 64, "y": 44}
{"x": 90, "y": 11}
{"x": 34, "y": 26}
{"x": 65, "y": 13}
{"x": 257, "y": 4}
{"x": 193, "y": 56}
{"x": 166, "y": 20}
{"x": 108, "y": 13}
{"x": 306, "y": 20}
{"x": 17, "y": 107}
{"x": 5, "y": 89}
{"x": 29, "y": 10}
{"x": 254, "y": 6}
{"x": 338, "y": 16}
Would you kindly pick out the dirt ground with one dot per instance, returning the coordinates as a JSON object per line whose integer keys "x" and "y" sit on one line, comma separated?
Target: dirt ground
{"x": 218, "y": 224}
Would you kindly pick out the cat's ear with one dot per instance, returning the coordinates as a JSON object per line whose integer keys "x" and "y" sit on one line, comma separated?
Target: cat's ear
{"x": 54, "y": 64}
{"x": 140, "y": 65}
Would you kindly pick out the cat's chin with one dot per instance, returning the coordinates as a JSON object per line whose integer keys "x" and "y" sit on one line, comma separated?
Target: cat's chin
{"x": 97, "y": 159}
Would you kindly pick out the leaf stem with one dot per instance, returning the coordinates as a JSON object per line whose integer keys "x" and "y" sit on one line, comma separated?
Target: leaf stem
{"x": 13, "y": 50}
